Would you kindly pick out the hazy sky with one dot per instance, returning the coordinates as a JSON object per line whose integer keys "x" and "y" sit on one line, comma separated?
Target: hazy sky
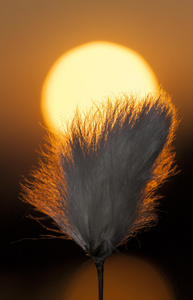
{"x": 35, "y": 33}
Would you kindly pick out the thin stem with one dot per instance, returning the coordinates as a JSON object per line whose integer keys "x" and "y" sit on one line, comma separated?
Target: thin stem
{"x": 100, "y": 269}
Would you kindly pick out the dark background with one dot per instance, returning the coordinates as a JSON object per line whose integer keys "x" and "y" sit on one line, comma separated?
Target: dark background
{"x": 33, "y": 35}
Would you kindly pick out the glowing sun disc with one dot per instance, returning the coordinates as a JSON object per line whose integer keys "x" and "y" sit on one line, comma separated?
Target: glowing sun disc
{"x": 90, "y": 72}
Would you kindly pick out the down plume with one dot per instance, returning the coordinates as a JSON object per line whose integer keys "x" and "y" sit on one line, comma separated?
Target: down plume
{"x": 97, "y": 178}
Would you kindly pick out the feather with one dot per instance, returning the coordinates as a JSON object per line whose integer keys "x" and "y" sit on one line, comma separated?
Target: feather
{"x": 98, "y": 177}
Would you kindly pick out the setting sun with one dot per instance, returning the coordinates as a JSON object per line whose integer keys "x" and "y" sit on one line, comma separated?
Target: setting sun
{"x": 90, "y": 72}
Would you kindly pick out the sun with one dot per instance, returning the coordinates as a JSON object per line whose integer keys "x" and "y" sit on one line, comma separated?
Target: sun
{"x": 89, "y": 73}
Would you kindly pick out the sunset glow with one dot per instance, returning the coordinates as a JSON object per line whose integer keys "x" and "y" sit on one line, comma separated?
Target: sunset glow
{"x": 126, "y": 277}
{"x": 89, "y": 73}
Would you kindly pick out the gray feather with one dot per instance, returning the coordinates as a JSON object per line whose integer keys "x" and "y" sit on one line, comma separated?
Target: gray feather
{"x": 98, "y": 178}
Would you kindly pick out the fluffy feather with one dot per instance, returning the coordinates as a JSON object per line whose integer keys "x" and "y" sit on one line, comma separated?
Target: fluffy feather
{"x": 97, "y": 179}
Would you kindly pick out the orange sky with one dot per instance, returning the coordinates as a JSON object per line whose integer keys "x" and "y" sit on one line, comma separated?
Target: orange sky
{"x": 35, "y": 33}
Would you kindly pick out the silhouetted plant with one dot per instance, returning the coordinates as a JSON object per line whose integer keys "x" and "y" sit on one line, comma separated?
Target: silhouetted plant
{"x": 98, "y": 177}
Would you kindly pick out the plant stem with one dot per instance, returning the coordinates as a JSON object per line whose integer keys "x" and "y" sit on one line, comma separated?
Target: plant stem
{"x": 100, "y": 269}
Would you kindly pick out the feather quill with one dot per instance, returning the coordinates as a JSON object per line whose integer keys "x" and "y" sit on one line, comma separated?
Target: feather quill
{"x": 97, "y": 178}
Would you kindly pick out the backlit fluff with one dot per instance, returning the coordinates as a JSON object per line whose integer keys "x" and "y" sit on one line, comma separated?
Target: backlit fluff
{"x": 97, "y": 179}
